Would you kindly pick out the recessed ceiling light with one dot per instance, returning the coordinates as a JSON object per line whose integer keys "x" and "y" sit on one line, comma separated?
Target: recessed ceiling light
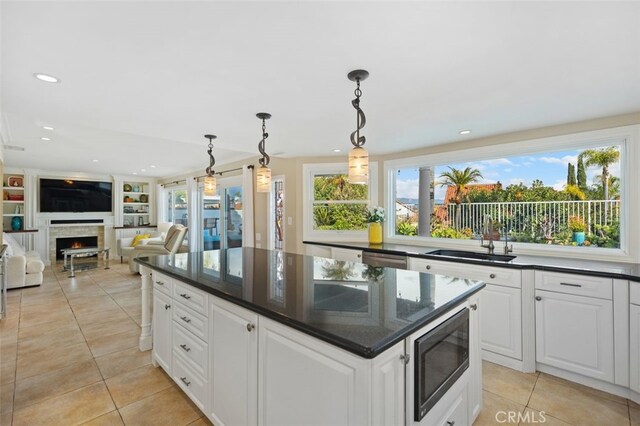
{"x": 135, "y": 173}
{"x": 47, "y": 78}
{"x": 47, "y": 128}
{"x": 465, "y": 132}
{"x": 153, "y": 167}
{"x": 95, "y": 161}
{"x": 143, "y": 170}
{"x": 46, "y": 139}
{"x": 337, "y": 150}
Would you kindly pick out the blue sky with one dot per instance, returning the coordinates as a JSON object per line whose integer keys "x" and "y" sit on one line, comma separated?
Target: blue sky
{"x": 550, "y": 168}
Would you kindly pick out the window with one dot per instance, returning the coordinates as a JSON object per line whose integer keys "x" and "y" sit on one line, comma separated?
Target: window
{"x": 553, "y": 197}
{"x": 334, "y": 206}
{"x": 177, "y": 206}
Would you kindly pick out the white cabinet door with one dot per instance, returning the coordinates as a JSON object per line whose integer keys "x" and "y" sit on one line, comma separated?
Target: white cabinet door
{"x": 162, "y": 330}
{"x": 501, "y": 319}
{"x": 474, "y": 389}
{"x": 634, "y": 314}
{"x": 388, "y": 387}
{"x": 575, "y": 333}
{"x": 234, "y": 364}
{"x": 348, "y": 255}
{"x": 304, "y": 381}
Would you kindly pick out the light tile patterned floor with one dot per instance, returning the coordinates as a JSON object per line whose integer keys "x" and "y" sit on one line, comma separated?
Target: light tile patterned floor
{"x": 68, "y": 355}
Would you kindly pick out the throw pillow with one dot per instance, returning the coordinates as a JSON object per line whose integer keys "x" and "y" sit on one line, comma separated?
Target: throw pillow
{"x": 138, "y": 238}
{"x": 14, "y": 248}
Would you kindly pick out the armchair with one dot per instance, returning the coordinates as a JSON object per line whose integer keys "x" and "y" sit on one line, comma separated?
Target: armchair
{"x": 125, "y": 249}
{"x": 172, "y": 244}
{"x": 24, "y": 268}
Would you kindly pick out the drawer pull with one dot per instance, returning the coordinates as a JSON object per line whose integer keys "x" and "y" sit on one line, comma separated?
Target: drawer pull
{"x": 474, "y": 306}
{"x": 492, "y": 276}
{"x": 451, "y": 423}
{"x": 359, "y": 256}
{"x": 250, "y": 327}
{"x": 571, "y": 285}
{"x": 185, "y": 347}
{"x": 159, "y": 283}
{"x": 185, "y": 319}
{"x": 166, "y": 306}
{"x": 428, "y": 267}
{"x": 185, "y": 381}
{"x": 538, "y": 298}
{"x": 185, "y": 295}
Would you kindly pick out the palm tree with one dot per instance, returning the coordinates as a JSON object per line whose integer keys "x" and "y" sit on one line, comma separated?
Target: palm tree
{"x": 602, "y": 157}
{"x": 459, "y": 179}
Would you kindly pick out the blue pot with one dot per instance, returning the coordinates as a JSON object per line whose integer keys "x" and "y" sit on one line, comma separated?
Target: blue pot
{"x": 16, "y": 223}
{"x": 578, "y": 238}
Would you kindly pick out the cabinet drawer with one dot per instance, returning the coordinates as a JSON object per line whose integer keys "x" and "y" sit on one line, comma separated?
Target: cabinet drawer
{"x": 634, "y": 290}
{"x": 194, "y": 385}
{"x": 581, "y": 285}
{"x": 191, "y": 320}
{"x": 162, "y": 282}
{"x": 191, "y": 297}
{"x": 347, "y": 255}
{"x": 191, "y": 348}
{"x": 488, "y": 274}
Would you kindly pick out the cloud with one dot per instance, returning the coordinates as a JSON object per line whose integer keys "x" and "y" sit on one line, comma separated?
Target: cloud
{"x": 527, "y": 163}
{"x": 498, "y": 162}
{"x": 407, "y": 188}
{"x": 508, "y": 170}
{"x": 518, "y": 181}
{"x": 561, "y": 161}
{"x": 559, "y": 184}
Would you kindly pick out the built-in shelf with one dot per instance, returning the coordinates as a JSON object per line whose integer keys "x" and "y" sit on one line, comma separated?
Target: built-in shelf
{"x": 13, "y": 214}
{"x": 135, "y": 204}
{"x": 134, "y": 193}
{"x": 14, "y": 188}
{"x": 135, "y": 214}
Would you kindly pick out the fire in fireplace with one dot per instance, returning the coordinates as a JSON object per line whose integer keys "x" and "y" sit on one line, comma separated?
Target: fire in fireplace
{"x": 74, "y": 242}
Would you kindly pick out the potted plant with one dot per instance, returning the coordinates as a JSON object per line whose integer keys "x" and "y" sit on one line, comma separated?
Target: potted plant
{"x": 375, "y": 217}
{"x": 578, "y": 227}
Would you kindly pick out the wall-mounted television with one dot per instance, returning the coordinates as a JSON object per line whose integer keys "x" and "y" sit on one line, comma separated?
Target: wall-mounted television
{"x": 75, "y": 196}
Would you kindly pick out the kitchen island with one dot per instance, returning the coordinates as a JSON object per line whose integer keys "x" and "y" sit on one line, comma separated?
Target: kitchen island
{"x": 264, "y": 337}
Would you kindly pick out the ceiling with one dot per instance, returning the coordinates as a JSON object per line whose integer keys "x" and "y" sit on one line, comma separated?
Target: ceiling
{"x": 142, "y": 82}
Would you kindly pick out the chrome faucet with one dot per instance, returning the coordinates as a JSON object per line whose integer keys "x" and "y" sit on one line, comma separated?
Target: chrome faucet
{"x": 507, "y": 248}
{"x": 487, "y": 229}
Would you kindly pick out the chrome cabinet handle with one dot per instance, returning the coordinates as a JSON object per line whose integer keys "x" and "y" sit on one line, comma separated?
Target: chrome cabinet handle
{"x": 428, "y": 267}
{"x": 451, "y": 423}
{"x": 185, "y": 347}
{"x": 404, "y": 358}
{"x": 250, "y": 327}
{"x": 185, "y": 381}
{"x": 571, "y": 285}
{"x": 474, "y": 306}
{"x": 359, "y": 256}
{"x": 159, "y": 283}
{"x": 166, "y": 306}
{"x": 185, "y": 319}
{"x": 185, "y": 295}
{"x": 492, "y": 276}
{"x": 538, "y": 298}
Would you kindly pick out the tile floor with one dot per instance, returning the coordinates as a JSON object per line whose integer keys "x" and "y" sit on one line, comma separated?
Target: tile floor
{"x": 68, "y": 355}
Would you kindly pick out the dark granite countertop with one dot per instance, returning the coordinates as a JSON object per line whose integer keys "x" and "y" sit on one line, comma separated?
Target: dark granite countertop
{"x": 621, "y": 270}
{"x": 362, "y": 309}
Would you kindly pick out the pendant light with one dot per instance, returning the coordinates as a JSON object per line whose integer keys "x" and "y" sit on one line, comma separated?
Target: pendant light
{"x": 358, "y": 157}
{"x": 209, "y": 179}
{"x": 263, "y": 175}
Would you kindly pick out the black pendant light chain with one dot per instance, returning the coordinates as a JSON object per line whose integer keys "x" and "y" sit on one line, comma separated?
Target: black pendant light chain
{"x": 264, "y": 161}
{"x": 212, "y": 161}
{"x": 356, "y": 139}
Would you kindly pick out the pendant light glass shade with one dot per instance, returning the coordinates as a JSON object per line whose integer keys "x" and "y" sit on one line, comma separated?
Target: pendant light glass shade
{"x": 263, "y": 179}
{"x": 358, "y": 166}
{"x": 210, "y": 186}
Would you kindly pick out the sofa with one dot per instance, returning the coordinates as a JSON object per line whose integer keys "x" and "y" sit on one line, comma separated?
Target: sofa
{"x": 171, "y": 245}
{"x": 124, "y": 246}
{"x": 24, "y": 268}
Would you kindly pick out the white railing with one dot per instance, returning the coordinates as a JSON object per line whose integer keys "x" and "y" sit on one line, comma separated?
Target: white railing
{"x": 521, "y": 215}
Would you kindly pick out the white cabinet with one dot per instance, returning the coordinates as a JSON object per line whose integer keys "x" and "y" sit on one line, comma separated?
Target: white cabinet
{"x": 575, "y": 333}
{"x": 347, "y": 255}
{"x": 387, "y": 387}
{"x": 474, "y": 389}
{"x": 162, "y": 327}
{"x": 303, "y": 381}
{"x": 634, "y": 328}
{"x": 318, "y": 251}
{"x": 501, "y": 319}
{"x": 234, "y": 364}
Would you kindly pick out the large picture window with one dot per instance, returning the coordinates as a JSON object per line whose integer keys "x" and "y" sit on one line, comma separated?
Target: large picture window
{"x": 560, "y": 197}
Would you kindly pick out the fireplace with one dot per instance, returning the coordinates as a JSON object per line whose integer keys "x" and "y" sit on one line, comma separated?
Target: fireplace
{"x": 74, "y": 242}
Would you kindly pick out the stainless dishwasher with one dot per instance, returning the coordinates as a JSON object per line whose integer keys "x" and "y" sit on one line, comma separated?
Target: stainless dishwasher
{"x": 384, "y": 259}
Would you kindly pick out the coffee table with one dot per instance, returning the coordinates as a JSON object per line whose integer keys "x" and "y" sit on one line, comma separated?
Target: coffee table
{"x": 75, "y": 253}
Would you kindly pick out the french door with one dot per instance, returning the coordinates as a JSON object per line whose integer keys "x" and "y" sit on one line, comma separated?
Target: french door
{"x": 221, "y": 215}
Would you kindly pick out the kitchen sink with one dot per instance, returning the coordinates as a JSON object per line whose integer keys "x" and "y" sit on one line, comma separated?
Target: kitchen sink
{"x": 473, "y": 255}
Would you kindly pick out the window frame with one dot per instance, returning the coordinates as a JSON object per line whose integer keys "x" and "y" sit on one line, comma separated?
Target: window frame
{"x": 627, "y": 137}
{"x": 309, "y": 170}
